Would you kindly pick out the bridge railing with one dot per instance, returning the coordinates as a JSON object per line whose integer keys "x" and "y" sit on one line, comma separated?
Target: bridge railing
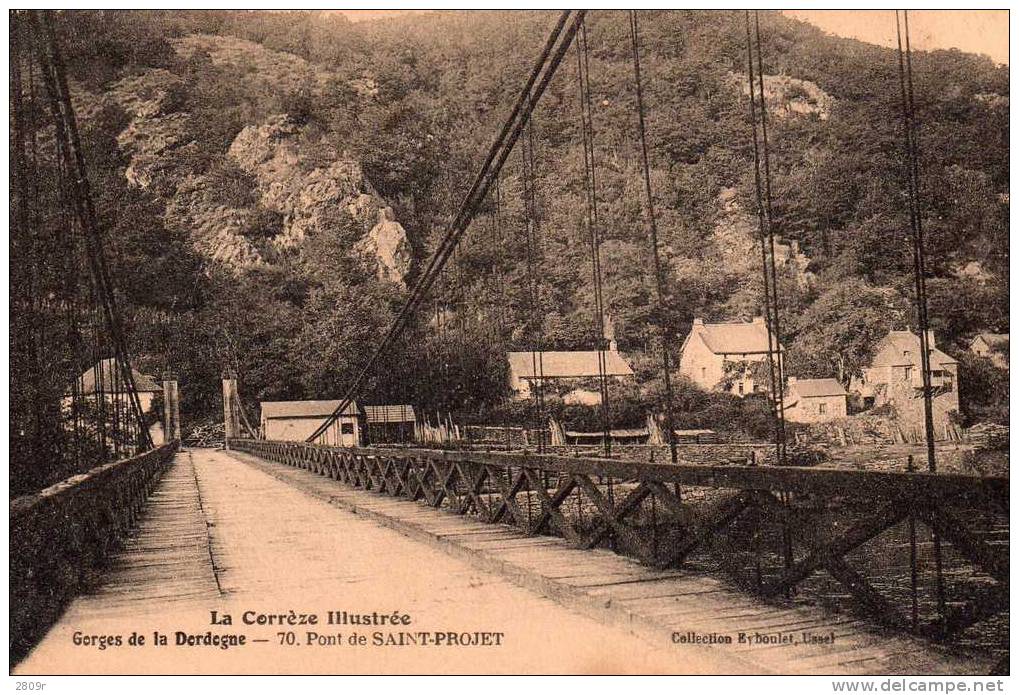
{"x": 61, "y": 536}
{"x": 777, "y": 527}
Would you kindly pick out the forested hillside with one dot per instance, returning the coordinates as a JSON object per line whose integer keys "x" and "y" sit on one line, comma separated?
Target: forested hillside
{"x": 270, "y": 183}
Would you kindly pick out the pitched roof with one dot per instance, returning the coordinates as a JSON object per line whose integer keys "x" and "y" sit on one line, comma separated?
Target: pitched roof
{"x": 993, "y": 339}
{"x": 566, "y": 364}
{"x": 389, "y": 413}
{"x": 734, "y": 338}
{"x": 814, "y": 388}
{"x": 902, "y": 342}
{"x": 282, "y": 409}
{"x": 107, "y": 375}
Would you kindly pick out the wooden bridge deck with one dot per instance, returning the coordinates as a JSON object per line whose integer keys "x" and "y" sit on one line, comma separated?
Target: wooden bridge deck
{"x": 231, "y": 532}
{"x": 219, "y": 534}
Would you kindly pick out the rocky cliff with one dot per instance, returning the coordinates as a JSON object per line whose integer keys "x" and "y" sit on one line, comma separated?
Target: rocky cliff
{"x": 274, "y": 186}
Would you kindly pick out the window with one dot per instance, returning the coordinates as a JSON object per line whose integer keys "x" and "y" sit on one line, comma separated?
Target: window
{"x": 704, "y": 372}
{"x": 907, "y": 373}
{"x": 822, "y": 408}
{"x": 905, "y": 353}
{"x": 741, "y": 388}
{"x": 346, "y": 428}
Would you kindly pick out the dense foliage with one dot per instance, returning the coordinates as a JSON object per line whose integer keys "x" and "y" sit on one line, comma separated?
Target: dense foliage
{"x": 438, "y": 86}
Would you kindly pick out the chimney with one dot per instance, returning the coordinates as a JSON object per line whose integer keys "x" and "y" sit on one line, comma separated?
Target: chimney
{"x": 930, "y": 339}
{"x": 698, "y": 322}
{"x": 759, "y": 319}
{"x": 791, "y": 381}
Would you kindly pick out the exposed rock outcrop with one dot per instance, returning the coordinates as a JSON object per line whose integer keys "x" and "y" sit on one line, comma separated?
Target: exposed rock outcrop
{"x": 262, "y": 68}
{"x": 313, "y": 201}
{"x": 156, "y": 128}
{"x": 217, "y": 230}
{"x": 788, "y": 96}
{"x": 387, "y": 245}
{"x": 312, "y": 187}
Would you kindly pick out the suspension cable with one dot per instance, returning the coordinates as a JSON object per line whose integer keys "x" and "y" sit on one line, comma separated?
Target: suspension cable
{"x": 559, "y": 40}
{"x": 659, "y": 275}
{"x": 533, "y": 257}
{"x": 777, "y": 327}
{"x": 911, "y": 147}
{"x": 591, "y": 190}
{"x": 539, "y": 249}
{"x": 461, "y": 316}
{"x": 762, "y": 233}
{"x": 24, "y": 172}
{"x": 55, "y": 81}
{"x": 500, "y": 242}
{"x": 762, "y": 187}
{"x": 912, "y": 156}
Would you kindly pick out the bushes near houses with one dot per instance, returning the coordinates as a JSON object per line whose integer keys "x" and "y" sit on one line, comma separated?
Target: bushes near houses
{"x": 629, "y": 406}
{"x": 983, "y": 390}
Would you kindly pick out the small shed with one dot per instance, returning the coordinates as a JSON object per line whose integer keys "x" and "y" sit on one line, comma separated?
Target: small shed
{"x": 697, "y": 436}
{"x": 389, "y": 423}
{"x": 295, "y": 421}
{"x": 993, "y": 346}
{"x": 617, "y": 436}
{"x": 814, "y": 400}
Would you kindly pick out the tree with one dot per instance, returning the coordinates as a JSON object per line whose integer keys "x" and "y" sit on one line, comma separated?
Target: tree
{"x": 983, "y": 390}
{"x": 835, "y": 336}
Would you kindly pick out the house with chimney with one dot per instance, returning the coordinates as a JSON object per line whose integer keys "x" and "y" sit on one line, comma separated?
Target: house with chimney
{"x": 722, "y": 355}
{"x": 895, "y": 377}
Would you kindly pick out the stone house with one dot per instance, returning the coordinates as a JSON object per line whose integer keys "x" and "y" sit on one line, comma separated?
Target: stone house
{"x": 814, "y": 400}
{"x": 295, "y": 421}
{"x": 993, "y": 346}
{"x": 723, "y": 354}
{"x": 573, "y": 374}
{"x": 894, "y": 377}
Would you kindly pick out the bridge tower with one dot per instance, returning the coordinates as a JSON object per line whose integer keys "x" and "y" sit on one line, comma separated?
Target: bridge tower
{"x": 231, "y": 425}
{"x": 171, "y": 408}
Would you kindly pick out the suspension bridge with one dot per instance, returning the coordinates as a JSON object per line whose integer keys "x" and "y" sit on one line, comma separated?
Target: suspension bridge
{"x": 679, "y": 566}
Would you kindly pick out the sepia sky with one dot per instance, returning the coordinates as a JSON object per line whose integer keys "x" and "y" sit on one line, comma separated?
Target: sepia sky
{"x": 973, "y": 31}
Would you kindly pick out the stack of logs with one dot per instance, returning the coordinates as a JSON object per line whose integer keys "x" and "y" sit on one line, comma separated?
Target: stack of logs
{"x": 208, "y": 435}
